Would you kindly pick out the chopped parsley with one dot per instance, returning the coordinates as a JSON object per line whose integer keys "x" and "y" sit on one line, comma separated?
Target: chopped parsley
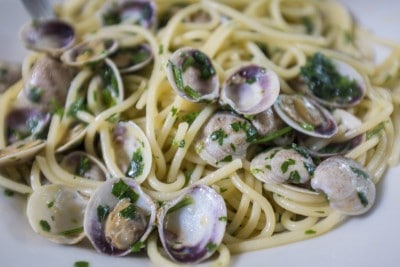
{"x": 83, "y": 166}
{"x": 272, "y": 136}
{"x": 228, "y": 158}
{"x": 102, "y": 212}
{"x": 294, "y": 177}
{"x": 285, "y": 165}
{"x": 177, "y": 73}
{"x": 129, "y": 212}
{"x": 199, "y": 61}
{"x": 323, "y": 79}
{"x": 363, "y": 198}
{"x": 307, "y": 126}
{"x": 219, "y": 136}
{"x": 72, "y": 232}
{"x": 310, "y": 232}
{"x": 359, "y": 172}
{"x": 76, "y": 106}
{"x": 190, "y": 117}
{"x": 112, "y": 16}
{"x": 174, "y": 111}
{"x": 45, "y": 225}
{"x": 251, "y": 132}
{"x": 136, "y": 165}
{"x": 190, "y": 92}
{"x": 160, "y": 49}
{"x": 110, "y": 90}
{"x": 35, "y": 94}
{"x": 211, "y": 247}
{"x": 188, "y": 176}
{"x": 121, "y": 190}
{"x": 186, "y": 201}
{"x": 140, "y": 55}
{"x": 8, "y": 192}
{"x": 376, "y": 130}
{"x": 50, "y": 204}
{"x": 309, "y": 167}
{"x": 181, "y": 144}
{"x": 308, "y": 24}
{"x": 81, "y": 264}
{"x": 223, "y": 218}
{"x": 138, "y": 246}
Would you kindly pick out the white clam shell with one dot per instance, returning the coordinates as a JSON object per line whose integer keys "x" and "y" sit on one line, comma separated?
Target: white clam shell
{"x": 56, "y": 213}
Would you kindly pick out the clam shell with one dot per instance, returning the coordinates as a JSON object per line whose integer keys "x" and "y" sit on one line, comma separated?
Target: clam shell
{"x": 306, "y": 116}
{"x": 106, "y": 198}
{"x": 51, "y": 36}
{"x": 131, "y": 59}
{"x": 20, "y": 151}
{"x": 192, "y": 226}
{"x": 56, "y": 213}
{"x": 250, "y": 89}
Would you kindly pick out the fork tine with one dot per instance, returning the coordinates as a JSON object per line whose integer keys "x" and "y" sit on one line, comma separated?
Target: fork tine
{"x": 38, "y": 8}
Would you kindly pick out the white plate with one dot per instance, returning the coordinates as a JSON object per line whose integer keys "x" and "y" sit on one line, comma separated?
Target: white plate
{"x": 370, "y": 240}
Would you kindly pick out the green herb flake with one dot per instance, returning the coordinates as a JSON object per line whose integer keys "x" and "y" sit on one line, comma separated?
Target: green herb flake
{"x": 186, "y": 201}
{"x": 223, "y": 189}
{"x": 211, "y": 247}
{"x": 174, "y": 111}
{"x": 139, "y": 56}
{"x": 3, "y": 73}
{"x": 83, "y": 166}
{"x": 285, "y": 165}
{"x": 363, "y": 198}
{"x": 309, "y": 167}
{"x": 35, "y": 94}
{"x": 136, "y": 165}
{"x": 256, "y": 171}
{"x": 188, "y": 175}
{"x": 251, "y": 80}
{"x": 233, "y": 147}
{"x": 129, "y": 212}
{"x": 223, "y": 219}
{"x": 181, "y": 144}
{"x": 45, "y": 225}
{"x": 310, "y": 232}
{"x": 8, "y": 192}
{"x": 138, "y": 246}
{"x": 228, "y": 158}
{"x": 160, "y": 49}
{"x": 307, "y": 126}
{"x": 272, "y": 136}
{"x": 81, "y": 264}
{"x": 76, "y": 106}
{"x": 325, "y": 82}
{"x": 359, "y": 172}
{"x": 190, "y": 117}
{"x": 308, "y": 24}
{"x": 176, "y": 71}
{"x": 50, "y": 204}
{"x": 72, "y": 232}
{"x": 301, "y": 150}
{"x": 294, "y": 177}
{"x": 121, "y": 190}
{"x": 191, "y": 93}
{"x": 112, "y": 17}
{"x": 376, "y": 130}
{"x": 219, "y": 136}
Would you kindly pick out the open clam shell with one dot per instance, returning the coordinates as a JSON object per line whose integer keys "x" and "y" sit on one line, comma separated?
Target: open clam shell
{"x": 251, "y": 89}
{"x": 191, "y": 226}
{"x": 119, "y": 216}
{"x": 56, "y": 212}
{"x": 192, "y": 75}
{"x": 332, "y": 82}
{"x": 139, "y": 12}
{"x": 91, "y": 51}
{"x": 49, "y": 36}
{"x": 20, "y": 151}
{"x": 130, "y": 151}
{"x": 131, "y": 59}
{"x": 306, "y": 116}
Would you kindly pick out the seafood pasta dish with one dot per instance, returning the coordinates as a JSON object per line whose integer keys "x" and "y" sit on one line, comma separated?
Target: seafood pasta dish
{"x": 189, "y": 131}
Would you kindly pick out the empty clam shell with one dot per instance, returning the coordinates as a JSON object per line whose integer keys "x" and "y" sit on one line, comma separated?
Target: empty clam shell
{"x": 139, "y": 12}
{"x": 191, "y": 227}
{"x": 251, "y": 89}
{"x": 119, "y": 216}
{"x": 49, "y": 36}
{"x": 306, "y": 116}
{"x": 192, "y": 75}
{"x": 56, "y": 212}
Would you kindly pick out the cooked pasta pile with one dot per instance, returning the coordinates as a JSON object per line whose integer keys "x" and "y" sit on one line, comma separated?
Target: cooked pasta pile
{"x": 279, "y": 35}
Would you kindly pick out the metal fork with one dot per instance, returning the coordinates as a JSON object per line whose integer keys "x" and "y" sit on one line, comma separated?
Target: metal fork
{"x": 39, "y": 9}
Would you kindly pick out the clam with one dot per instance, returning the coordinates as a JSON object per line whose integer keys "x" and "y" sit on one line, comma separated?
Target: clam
{"x": 20, "y": 151}
{"x": 192, "y": 75}
{"x": 131, "y": 152}
{"x": 84, "y": 165}
{"x": 250, "y": 89}
{"x": 72, "y": 138}
{"x": 119, "y": 217}
{"x": 56, "y": 212}
{"x": 346, "y": 183}
{"x": 325, "y": 148}
{"x": 306, "y": 116}
{"x": 49, "y": 36}
{"x": 10, "y": 73}
{"x": 139, "y": 12}
{"x": 332, "y": 82}
{"x": 48, "y": 83}
{"x": 225, "y": 137}
{"x": 131, "y": 59}
{"x": 91, "y": 51}
{"x": 29, "y": 122}
{"x": 269, "y": 125}
{"x": 191, "y": 226}
{"x": 283, "y": 165}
